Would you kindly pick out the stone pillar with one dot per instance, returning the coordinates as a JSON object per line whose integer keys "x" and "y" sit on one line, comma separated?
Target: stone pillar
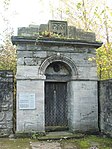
{"x": 30, "y": 100}
{"x": 83, "y": 106}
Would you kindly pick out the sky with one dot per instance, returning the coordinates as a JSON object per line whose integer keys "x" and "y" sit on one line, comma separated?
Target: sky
{"x": 25, "y": 12}
{"x": 21, "y": 13}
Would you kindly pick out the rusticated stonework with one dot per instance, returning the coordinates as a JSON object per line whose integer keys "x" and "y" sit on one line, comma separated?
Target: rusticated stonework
{"x": 6, "y": 103}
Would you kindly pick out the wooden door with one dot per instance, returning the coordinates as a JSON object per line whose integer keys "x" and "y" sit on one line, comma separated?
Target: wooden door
{"x": 55, "y": 104}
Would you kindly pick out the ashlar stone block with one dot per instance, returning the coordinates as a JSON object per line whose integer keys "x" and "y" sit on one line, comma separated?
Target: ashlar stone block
{"x": 28, "y": 31}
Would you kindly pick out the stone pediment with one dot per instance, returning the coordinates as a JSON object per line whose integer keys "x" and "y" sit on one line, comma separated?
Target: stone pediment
{"x": 60, "y": 28}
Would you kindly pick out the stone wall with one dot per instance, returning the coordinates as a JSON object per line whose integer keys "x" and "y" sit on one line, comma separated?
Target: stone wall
{"x": 105, "y": 98}
{"x": 6, "y": 103}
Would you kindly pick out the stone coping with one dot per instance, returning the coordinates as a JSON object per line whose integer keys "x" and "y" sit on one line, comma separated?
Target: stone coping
{"x": 54, "y": 41}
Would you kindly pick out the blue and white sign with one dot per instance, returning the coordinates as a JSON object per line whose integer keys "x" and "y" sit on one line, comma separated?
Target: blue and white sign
{"x": 26, "y": 101}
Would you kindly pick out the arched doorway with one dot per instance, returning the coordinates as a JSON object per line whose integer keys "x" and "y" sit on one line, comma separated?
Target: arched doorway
{"x": 56, "y": 98}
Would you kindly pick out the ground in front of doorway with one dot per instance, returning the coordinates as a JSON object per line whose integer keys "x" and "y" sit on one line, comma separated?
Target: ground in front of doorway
{"x": 88, "y": 142}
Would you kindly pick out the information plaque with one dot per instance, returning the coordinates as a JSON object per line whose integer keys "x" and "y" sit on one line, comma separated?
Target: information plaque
{"x": 26, "y": 101}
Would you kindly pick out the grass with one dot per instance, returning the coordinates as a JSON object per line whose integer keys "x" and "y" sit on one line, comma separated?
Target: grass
{"x": 6, "y": 143}
{"x": 85, "y": 143}
{"x": 91, "y": 141}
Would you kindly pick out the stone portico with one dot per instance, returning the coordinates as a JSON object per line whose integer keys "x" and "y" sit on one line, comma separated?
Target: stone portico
{"x": 56, "y": 84}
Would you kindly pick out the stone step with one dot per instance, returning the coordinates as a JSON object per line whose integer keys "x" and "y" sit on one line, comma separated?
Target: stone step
{"x": 60, "y": 135}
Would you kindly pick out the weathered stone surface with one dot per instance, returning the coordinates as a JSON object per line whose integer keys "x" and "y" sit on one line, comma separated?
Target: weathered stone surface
{"x": 105, "y": 97}
{"x": 28, "y": 31}
{"x": 43, "y": 27}
{"x": 81, "y": 59}
{"x": 6, "y": 103}
{"x": 87, "y": 36}
{"x": 71, "y": 32}
{"x": 84, "y": 106}
{"x": 28, "y": 72}
{"x": 33, "y": 119}
{"x": 20, "y": 61}
{"x": 30, "y": 61}
{"x": 86, "y": 72}
{"x": 21, "y": 47}
{"x": 58, "y": 27}
{"x": 21, "y": 54}
{"x": 39, "y": 54}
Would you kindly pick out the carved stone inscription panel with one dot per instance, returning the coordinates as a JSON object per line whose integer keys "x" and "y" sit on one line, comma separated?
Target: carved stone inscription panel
{"x": 58, "y": 27}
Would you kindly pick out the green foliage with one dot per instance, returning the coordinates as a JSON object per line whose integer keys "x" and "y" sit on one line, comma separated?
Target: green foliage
{"x": 98, "y": 20}
{"x": 36, "y": 135}
{"x": 49, "y": 34}
{"x": 78, "y": 5}
{"x": 8, "y": 56}
{"x": 7, "y": 50}
{"x": 84, "y": 144}
{"x": 104, "y": 61}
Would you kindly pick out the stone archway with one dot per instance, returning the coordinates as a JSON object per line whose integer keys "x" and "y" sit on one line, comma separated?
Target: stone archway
{"x": 59, "y": 58}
